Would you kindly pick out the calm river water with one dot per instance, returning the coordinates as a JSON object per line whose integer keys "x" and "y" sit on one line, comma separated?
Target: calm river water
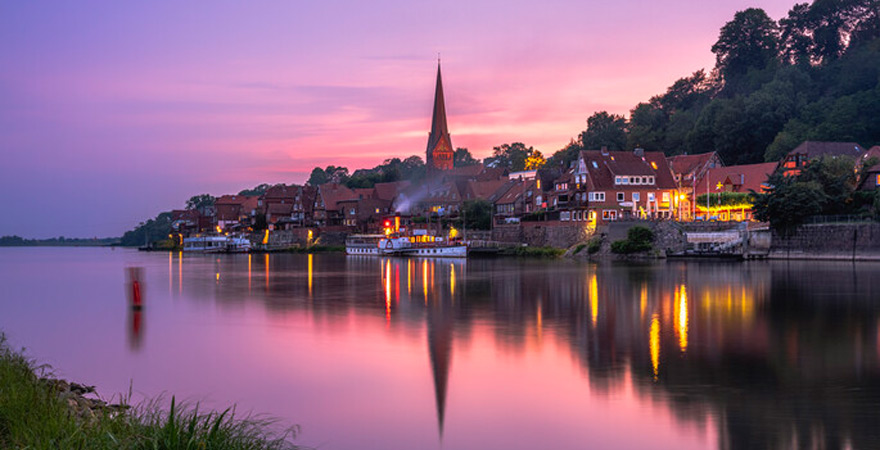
{"x": 372, "y": 353}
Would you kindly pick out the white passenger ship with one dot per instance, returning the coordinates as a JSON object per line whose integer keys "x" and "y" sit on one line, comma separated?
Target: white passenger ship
{"x": 381, "y": 245}
{"x": 217, "y": 244}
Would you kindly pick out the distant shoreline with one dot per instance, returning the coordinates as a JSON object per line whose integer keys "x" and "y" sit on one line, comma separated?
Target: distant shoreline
{"x": 61, "y": 241}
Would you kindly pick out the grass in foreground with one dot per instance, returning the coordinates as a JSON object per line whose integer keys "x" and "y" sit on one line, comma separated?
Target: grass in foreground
{"x": 34, "y": 416}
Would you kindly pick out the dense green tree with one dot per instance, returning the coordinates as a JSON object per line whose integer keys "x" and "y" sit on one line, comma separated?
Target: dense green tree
{"x": 796, "y": 36}
{"x": 604, "y": 130}
{"x": 153, "y": 230}
{"x": 511, "y": 156}
{"x": 257, "y": 190}
{"x": 788, "y": 203}
{"x": 200, "y": 201}
{"x": 462, "y": 157}
{"x": 563, "y": 157}
{"x": 477, "y": 214}
{"x": 748, "y": 42}
{"x": 647, "y": 127}
{"x": 318, "y": 177}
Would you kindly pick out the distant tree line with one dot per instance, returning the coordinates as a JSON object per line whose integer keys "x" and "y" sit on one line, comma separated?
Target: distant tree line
{"x": 60, "y": 241}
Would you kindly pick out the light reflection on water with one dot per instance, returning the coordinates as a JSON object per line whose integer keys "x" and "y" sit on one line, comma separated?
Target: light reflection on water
{"x": 369, "y": 352}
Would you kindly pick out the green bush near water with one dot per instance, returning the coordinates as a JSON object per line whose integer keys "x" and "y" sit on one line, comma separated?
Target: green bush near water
{"x": 33, "y": 416}
{"x": 638, "y": 239}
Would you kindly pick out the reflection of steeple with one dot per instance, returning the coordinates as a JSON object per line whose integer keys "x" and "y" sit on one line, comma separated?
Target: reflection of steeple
{"x": 440, "y": 349}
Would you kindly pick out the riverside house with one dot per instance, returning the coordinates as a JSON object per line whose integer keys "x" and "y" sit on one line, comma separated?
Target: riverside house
{"x": 613, "y": 185}
{"x": 739, "y": 180}
{"x": 796, "y": 159}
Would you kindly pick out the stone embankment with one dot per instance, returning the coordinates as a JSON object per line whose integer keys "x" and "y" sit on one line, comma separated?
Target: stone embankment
{"x": 838, "y": 241}
{"x": 668, "y": 238}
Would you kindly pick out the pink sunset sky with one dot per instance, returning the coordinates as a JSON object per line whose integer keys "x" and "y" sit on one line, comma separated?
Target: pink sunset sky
{"x": 111, "y": 112}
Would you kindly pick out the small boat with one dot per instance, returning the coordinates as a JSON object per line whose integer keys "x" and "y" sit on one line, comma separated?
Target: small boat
{"x": 217, "y": 244}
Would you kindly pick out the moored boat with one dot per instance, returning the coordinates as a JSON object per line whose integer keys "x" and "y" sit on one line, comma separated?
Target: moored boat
{"x": 217, "y": 244}
{"x": 363, "y": 244}
{"x": 405, "y": 246}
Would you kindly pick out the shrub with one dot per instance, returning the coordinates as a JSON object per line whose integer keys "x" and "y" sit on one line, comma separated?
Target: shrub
{"x": 595, "y": 245}
{"x": 638, "y": 239}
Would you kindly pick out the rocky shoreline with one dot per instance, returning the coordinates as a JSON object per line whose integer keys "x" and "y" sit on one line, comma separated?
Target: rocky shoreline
{"x": 74, "y": 396}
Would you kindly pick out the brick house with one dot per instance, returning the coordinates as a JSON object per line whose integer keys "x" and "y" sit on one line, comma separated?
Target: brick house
{"x": 327, "y": 211}
{"x": 621, "y": 185}
{"x": 740, "y": 179}
{"x": 232, "y": 212}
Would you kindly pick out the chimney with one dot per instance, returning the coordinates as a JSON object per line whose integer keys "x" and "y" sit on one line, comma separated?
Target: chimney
{"x": 640, "y": 152}
{"x": 604, "y": 150}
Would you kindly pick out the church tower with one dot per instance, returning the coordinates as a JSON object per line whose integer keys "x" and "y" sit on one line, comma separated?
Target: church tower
{"x": 439, "y": 152}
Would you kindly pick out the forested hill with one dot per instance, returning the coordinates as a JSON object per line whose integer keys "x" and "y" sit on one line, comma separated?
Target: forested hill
{"x": 813, "y": 75}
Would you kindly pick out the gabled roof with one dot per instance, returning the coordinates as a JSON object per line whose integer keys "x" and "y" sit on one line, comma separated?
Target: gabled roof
{"x": 388, "y": 191}
{"x": 234, "y": 199}
{"x": 815, "y": 149}
{"x": 281, "y": 191}
{"x": 517, "y": 190}
{"x": 443, "y": 193}
{"x": 686, "y": 164}
{"x": 483, "y": 189}
{"x": 742, "y": 178}
{"x": 493, "y": 173}
{"x": 603, "y": 167}
{"x": 332, "y": 193}
{"x": 466, "y": 171}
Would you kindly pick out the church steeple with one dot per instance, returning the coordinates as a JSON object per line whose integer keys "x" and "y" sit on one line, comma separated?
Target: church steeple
{"x": 439, "y": 152}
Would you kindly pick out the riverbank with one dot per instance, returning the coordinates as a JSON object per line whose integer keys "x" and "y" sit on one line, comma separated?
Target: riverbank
{"x": 41, "y": 412}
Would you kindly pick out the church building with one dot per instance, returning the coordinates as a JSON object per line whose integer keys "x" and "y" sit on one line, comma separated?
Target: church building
{"x": 439, "y": 153}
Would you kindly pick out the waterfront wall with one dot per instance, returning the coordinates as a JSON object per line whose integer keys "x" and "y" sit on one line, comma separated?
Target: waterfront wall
{"x": 846, "y": 241}
{"x": 542, "y": 234}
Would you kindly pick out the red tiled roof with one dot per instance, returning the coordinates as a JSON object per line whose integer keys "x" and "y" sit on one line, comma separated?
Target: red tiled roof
{"x": 685, "y": 164}
{"x": 492, "y": 174}
{"x": 388, "y": 191}
{"x": 333, "y": 193}
{"x": 740, "y": 178}
{"x": 443, "y": 193}
{"x": 517, "y": 190}
{"x": 483, "y": 189}
{"x": 611, "y": 164}
{"x": 250, "y": 203}
{"x": 466, "y": 171}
